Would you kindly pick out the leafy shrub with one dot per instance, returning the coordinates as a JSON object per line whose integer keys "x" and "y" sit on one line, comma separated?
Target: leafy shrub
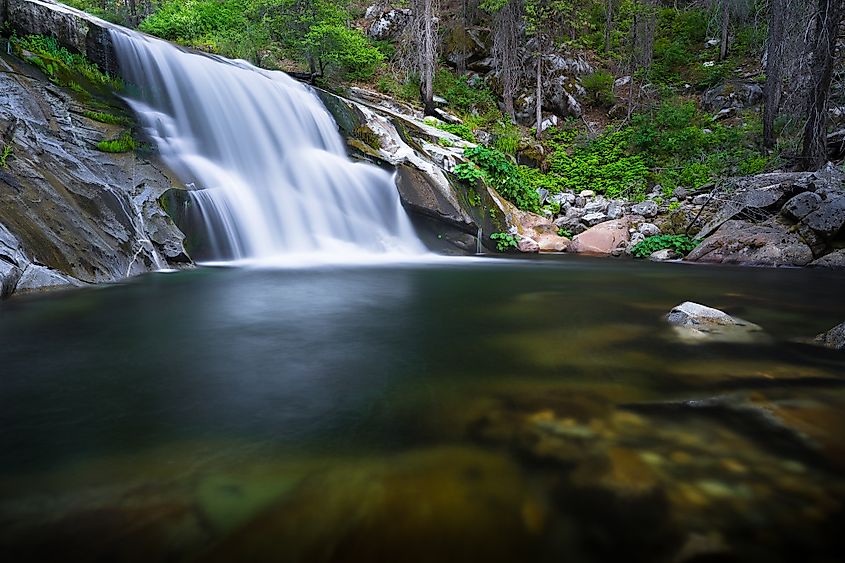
{"x": 682, "y": 244}
{"x": 5, "y": 154}
{"x": 457, "y": 129}
{"x": 468, "y": 172}
{"x": 347, "y": 50}
{"x": 504, "y": 176}
{"x": 504, "y": 241}
{"x": 599, "y": 86}
{"x": 506, "y": 136}
{"x": 124, "y": 143}
{"x": 460, "y": 95}
{"x": 177, "y": 20}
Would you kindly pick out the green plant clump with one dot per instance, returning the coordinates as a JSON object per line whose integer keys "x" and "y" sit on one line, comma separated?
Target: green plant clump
{"x": 682, "y": 244}
{"x": 60, "y": 65}
{"x": 599, "y": 86}
{"x": 503, "y": 175}
{"x": 124, "y": 143}
{"x": 5, "y": 154}
{"x": 504, "y": 241}
{"x": 458, "y": 129}
{"x": 109, "y": 118}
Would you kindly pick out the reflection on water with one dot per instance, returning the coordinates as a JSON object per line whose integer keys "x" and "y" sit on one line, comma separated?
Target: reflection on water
{"x": 516, "y": 411}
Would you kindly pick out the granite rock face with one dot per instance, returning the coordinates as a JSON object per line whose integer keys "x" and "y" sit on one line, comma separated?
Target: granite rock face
{"x": 70, "y": 214}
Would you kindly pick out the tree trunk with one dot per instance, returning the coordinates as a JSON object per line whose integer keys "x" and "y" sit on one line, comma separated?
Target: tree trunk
{"x": 608, "y": 24}
{"x": 539, "y": 94}
{"x": 425, "y": 26}
{"x": 773, "y": 87}
{"x": 726, "y": 21}
{"x": 814, "y": 152}
{"x": 506, "y": 34}
{"x": 645, "y": 22}
{"x": 462, "y": 60}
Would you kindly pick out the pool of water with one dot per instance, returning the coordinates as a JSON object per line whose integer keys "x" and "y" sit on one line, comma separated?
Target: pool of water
{"x": 497, "y": 411}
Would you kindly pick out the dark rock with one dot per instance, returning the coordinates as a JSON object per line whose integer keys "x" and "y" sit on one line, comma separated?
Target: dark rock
{"x": 10, "y": 274}
{"x": 835, "y": 259}
{"x": 833, "y": 338}
{"x": 801, "y": 205}
{"x": 828, "y": 219}
{"x": 734, "y": 94}
{"x": 740, "y": 242}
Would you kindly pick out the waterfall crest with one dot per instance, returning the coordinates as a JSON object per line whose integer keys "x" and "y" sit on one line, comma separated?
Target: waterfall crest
{"x": 269, "y": 169}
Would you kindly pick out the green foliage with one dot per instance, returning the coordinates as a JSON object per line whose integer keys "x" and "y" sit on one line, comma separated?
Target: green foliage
{"x": 468, "y": 172}
{"x": 5, "y": 154}
{"x": 460, "y": 95}
{"x": 604, "y": 165}
{"x": 124, "y": 143}
{"x": 682, "y": 244}
{"x": 506, "y": 136}
{"x": 504, "y": 241}
{"x": 60, "y": 65}
{"x": 503, "y": 175}
{"x": 564, "y": 233}
{"x": 192, "y": 21}
{"x": 109, "y": 118}
{"x": 444, "y": 142}
{"x": 457, "y": 129}
{"x": 599, "y": 86}
{"x": 344, "y": 49}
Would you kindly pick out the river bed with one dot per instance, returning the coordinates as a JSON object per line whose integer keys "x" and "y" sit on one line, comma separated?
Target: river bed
{"x": 469, "y": 410}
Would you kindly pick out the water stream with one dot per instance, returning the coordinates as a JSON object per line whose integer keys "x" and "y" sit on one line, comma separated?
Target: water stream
{"x": 269, "y": 169}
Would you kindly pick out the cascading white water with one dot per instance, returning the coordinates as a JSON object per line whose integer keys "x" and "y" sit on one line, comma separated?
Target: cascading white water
{"x": 270, "y": 169}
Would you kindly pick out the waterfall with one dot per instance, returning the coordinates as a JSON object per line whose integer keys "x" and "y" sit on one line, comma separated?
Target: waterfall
{"x": 268, "y": 167}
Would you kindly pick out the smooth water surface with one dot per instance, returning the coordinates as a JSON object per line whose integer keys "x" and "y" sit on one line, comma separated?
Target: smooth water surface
{"x": 523, "y": 410}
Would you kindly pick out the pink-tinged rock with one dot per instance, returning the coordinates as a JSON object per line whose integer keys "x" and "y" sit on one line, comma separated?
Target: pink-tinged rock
{"x": 604, "y": 238}
{"x": 553, "y": 243}
{"x": 528, "y": 245}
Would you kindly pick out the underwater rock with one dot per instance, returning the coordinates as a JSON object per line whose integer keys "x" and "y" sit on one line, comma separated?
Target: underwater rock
{"x": 833, "y": 338}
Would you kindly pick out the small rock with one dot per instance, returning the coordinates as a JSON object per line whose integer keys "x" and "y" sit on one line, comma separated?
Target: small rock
{"x": 587, "y": 193}
{"x": 580, "y": 201}
{"x": 834, "y": 338}
{"x": 636, "y": 238}
{"x": 801, "y": 205}
{"x": 663, "y": 255}
{"x": 647, "y": 209}
{"x": 592, "y": 219}
{"x": 649, "y": 230}
{"x": 595, "y": 207}
{"x": 680, "y": 192}
{"x": 614, "y": 211}
{"x": 701, "y": 199}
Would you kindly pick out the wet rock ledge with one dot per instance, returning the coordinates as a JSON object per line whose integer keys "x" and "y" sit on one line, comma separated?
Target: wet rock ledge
{"x": 70, "y": 214}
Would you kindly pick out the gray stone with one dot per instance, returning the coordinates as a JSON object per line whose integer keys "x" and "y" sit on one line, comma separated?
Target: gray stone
{"x": 701, "y": 199}
{"x": 835, "y": 259}
{"x": 37, "y": 277}
{"x": 580, "y": 201}
{"x": 663, "y": 255}
{"x": 833, "y": 338}
{"x": 680, "y": 192}
{"x": 740, "y": 242}
{"x": 694, "y": 322}
{"x": 801, "y": 205}
{"x": 595, "y": 207}
{"x": 648, "y": 229}
{"x": 647, "y": 209}
{"x": 529, "y": 245}
{"x": 614, "y": 211}
{"x": 594, "y": 218}
{"x": 828, "y": 219}
{"x": 587, "y": 193}
{"x": 636, "y": 238}
{"x": 10, "y": 274}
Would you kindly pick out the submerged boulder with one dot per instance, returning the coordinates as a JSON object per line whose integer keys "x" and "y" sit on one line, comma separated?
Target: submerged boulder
{"x": 694, "y": 322}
